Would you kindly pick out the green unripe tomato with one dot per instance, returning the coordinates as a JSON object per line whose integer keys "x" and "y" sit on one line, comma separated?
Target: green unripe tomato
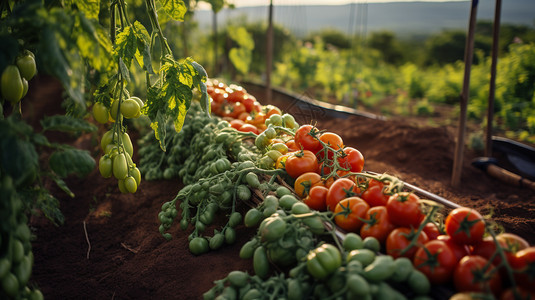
{"x": 101, "y": 113}
{"x": 122, "y": 187}
{"x": 114, "y": 109}
{"x": 24, "y": 87}
{"x": 198, "y": 245}
{"x": 105, "y": 166}
{"x": 107, "y": 138}
{"x": 11, "y": 84}
{"x": 127, "y": 143}
{"x": 140, "y": 103}
{"x": 10, "y": 285}
{"x": 134, "y": 172}
{"x": 26, "y": 66}
{"x": 120, "y": 167}
{"x": 130, "y": 108}
{"x": 130, "y": 184}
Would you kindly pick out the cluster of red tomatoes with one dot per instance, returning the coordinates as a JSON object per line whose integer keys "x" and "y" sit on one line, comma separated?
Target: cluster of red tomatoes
{"x": 457, "y": 251}
{"x": 241, "y": 108}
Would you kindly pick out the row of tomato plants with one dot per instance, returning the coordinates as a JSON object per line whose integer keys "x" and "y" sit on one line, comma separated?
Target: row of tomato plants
{"x": 256, "y": 151}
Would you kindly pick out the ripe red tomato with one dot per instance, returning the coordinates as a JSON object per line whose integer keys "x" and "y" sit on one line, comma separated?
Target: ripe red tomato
{"x": 349, "y": 212}
{"x": 465, "y": 226}
{"x": 341, "y": 188}
{"x": 459, "y": 251}
{"x": 219, "y": 95}
{"x": 237, "y": 95}
{"x": 473, "y": 274}
{"x": 353, "y": 160}
{"x": 376, "y": 224}
{"x": 236, "y": 109}
{"x": 248, "y": 128}
{"x": 248, "y": 102}
{"x": 236, "y": 123}
{"x": 509, "y": 294}
{"x": 316, "y": 198}
{"x": 292, "y": 146}
{"x": 436, "y": 260}
{"x": 305, "y": 137}
{"x": 332, "y": 140}
{"x": 400, "y": 238}
{"x": 272, "y": 110}
{"x": 305, "y": 182}
{"x": 404, "y": 209}
{"x": 524, "y": 266}
{"x": 374, "y": 194}
{"x": 301, "y": 162}
{"x": 432, "y": 230}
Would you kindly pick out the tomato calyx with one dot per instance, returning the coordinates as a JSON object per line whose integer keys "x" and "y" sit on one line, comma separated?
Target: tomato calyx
{"x": 465, "y": 225}
{"x": 431, "y": 261}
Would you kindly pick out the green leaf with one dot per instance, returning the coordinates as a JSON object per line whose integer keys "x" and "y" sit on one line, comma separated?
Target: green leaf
{"x": 90, "y": 8}
{"x": 66, "y": 123}
{"x": 126, "y": 45}
{"x": 123, "y": 69}
{"x": 49, "y": 205}
{"x": 158, "y": 125}
{"x": 71, "y": 161}
{"x": 94, "y": 45}
{"x": 176, "y": 9}
{"x": 63, "y": 186}
{"x": 241, "y": 59}
{"x": 59, "y": 54}
{"x": 143, "y": 55}
{"x": 18, "y": 157}
{"x": 243, "y": 38}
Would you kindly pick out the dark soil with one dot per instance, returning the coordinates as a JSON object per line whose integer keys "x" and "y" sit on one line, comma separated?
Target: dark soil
{"x": 109, "y": 246}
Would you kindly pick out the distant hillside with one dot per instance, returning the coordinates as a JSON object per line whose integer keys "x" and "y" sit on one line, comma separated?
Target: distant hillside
{"x": 401, "y": 18}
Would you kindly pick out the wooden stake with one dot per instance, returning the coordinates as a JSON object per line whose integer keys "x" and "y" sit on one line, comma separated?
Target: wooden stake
{"x": 492, "y": 87}
{"x": 269, "y": 53}
{"x": 468, "y": 56}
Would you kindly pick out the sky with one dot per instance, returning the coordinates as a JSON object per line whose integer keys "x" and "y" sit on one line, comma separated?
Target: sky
{"x": 243, "y": 3}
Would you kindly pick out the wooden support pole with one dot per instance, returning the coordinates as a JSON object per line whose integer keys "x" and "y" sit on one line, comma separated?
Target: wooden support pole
{"x": 492, "y": 86}
{"x": 269, "y": 53}
{"x": 468, "y": 56}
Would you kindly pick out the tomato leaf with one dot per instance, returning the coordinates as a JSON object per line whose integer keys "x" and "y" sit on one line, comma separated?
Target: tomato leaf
{"x": 62, "y": 185}
{"x": 143, "y": 55}
{"x": 126, "y": 45}
{"x": 90, "y": 8}
{"x": 18, "y": 157}
{"x": 71, "y": 161}
{"x": 94, "y": 45}
{"x": 176, "y": 9}
{"x": 58, "y": 55}
{"x": 66, "y": 123}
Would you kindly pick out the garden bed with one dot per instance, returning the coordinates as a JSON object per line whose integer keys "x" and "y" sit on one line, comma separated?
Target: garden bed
{"x": 110, "y": 247}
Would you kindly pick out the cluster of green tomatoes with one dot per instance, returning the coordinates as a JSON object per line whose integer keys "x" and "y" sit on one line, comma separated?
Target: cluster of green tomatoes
{"x": 15, "y": 77}
{"x": 116, "y": 143}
